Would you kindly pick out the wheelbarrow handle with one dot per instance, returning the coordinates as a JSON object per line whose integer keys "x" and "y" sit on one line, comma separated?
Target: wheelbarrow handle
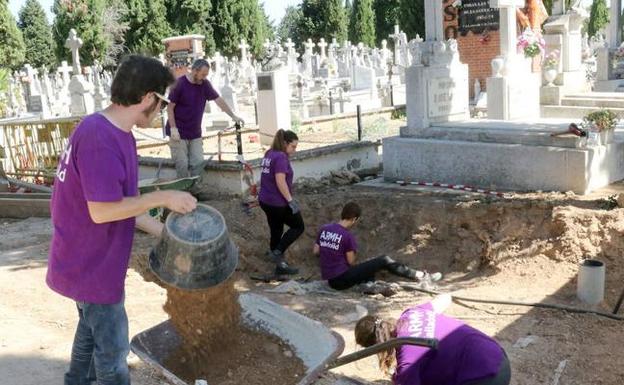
{"x": 431, "y": 343}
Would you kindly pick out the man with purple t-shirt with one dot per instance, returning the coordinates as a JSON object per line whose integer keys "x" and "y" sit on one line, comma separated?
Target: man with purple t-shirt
{"x": 188, "y": 100}
{"x": 95, "y": 207}
{"x": 464, "y": 355}
{"x": 336, "y": 248}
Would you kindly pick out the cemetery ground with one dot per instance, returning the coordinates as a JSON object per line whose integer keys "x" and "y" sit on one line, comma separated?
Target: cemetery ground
{"x": 525, "y": 247}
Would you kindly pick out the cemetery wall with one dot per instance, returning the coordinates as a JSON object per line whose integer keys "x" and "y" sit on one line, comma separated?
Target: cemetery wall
{"x": 476, "y": 31}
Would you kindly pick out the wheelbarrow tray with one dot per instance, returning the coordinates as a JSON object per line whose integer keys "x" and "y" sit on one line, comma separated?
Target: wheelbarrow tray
{"x": 153, "y": 184}
{"x": 313, "y": 343}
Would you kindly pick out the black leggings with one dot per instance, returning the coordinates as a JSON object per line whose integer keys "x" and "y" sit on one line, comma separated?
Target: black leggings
{"x": 277, "y": 218}
{"x": 365, "y": 272}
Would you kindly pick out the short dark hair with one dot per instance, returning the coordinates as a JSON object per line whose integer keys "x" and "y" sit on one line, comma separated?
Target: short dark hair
{"x": 137, "y": 76}
{"x": 350, "y": 211}
{"x": 199, "y": 64}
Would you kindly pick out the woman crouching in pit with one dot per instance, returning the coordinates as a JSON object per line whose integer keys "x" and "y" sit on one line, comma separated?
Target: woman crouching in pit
{"x": 464, "y": 356}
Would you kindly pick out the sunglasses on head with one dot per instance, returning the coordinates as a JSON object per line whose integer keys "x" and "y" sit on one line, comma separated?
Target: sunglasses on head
{"x": 163, "y": 100}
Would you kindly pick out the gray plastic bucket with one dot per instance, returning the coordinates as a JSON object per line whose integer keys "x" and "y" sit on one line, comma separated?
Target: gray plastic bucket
{"x": 591, "y": 281}
{"x": 195, "y": 250}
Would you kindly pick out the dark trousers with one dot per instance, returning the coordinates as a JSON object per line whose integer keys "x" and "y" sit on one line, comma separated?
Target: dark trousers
{"x": 277, "y": 217}
{"x": 365, "y": 272}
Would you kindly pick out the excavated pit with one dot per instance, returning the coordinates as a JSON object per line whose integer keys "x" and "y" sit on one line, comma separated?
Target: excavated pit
{"x": 467, "y": 237}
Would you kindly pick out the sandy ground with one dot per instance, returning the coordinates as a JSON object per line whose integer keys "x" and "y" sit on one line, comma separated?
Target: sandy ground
{"x": 523, "y": 248}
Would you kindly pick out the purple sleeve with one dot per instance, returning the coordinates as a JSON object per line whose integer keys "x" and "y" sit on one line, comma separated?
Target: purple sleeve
{"x": 175, "y": 92}
{"x": 351, "y": 244}
{"x": 210, "y": 92}
{"x": 281, "y": 163}
{"x": 101, "y": 170}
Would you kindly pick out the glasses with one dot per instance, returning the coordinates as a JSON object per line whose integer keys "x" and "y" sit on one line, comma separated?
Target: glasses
{"x": 163, "y": 100}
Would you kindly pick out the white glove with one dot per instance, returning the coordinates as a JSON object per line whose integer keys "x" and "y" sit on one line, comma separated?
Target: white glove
{"x": 238, "y": 119}
{"x": 175, "y": 134}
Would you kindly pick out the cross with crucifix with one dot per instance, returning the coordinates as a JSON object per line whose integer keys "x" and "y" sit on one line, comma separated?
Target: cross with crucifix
{"x": 74, "y": 43}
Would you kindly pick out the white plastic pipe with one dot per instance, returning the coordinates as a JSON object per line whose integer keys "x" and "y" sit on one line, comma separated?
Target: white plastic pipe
{"x": 591, "y": 281}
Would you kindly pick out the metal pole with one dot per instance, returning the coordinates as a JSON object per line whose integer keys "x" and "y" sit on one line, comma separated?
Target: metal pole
{"x": 331, "y": 104}
{"x": 256, "y": 111}
{"x": 391, "y": 95}
{"x": 359, "y": 122}
{"x": 239, "y": 139}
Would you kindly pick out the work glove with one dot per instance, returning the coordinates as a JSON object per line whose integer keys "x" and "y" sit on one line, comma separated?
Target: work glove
{"x": 239, "y": 120}
{"x": 175, "y": 134}
{"x": 294, "y": 206}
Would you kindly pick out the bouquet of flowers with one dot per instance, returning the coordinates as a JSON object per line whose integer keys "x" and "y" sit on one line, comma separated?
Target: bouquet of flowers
{"x": 531, "y": 44}
{"x": 552, "y": 59}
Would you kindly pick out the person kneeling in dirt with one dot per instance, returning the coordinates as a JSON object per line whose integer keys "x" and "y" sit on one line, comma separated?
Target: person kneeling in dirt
{"x": 464, "y": 356}
{"x": 336, "y": 247}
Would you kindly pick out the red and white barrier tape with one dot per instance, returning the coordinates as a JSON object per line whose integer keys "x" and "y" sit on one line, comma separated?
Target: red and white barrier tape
{"x": 459, "y": 187}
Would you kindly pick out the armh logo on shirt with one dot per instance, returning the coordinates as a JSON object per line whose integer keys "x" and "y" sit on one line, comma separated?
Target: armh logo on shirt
{"x": 266, "y": 165}
{"x": 330, "y": 240}
{"x": 421, "y": 323}
{"x": 61, "y": 170}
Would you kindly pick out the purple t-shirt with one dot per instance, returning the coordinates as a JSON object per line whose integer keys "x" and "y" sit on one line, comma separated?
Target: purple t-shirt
{"x": 274, "y": 162}
{"x": 334, "y": 242}
{"x": 464, "y": 353}
{"x": 190, "y": 101}
{"x": 88, "y": 261}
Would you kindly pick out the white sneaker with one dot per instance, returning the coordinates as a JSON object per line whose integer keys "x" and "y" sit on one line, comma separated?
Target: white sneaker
{"x": 435, "y": 277}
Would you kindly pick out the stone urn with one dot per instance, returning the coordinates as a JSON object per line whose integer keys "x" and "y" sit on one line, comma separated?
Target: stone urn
{"x": 550, "y": 74}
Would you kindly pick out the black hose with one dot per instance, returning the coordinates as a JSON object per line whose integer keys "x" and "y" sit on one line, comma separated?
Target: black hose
{"x": 515, "y": 303}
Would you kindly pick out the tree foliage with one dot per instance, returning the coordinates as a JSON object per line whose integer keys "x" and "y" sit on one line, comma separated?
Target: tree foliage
{"x": 37, "y": 35}
{"x": 12, "y": 47}
{"x": 192, "y": 17}
{"x": 236, "y": 20}
{"x": 87, "y": 18}
{"x": 386, "y": 17}
{"x": 412, "y": 17}
{"x": 598, "y": 17}
{"x": 148, "y": 25}
{"x": 289, "y": 26}
{"x": 362, "y": 23}
{"x": 323, "y": 19}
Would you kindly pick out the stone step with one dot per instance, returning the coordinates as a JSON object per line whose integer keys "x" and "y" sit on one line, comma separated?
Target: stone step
{"x": 592, "y": 102}
{"x": 572, "y": 112}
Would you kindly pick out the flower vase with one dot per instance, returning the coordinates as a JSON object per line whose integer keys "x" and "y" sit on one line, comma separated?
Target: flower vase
{"x": 550, "y": 74}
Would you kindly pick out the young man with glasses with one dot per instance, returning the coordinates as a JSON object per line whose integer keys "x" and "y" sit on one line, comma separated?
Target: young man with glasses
{"x": 95, "y": 207}
{"x": 188, "y": 100}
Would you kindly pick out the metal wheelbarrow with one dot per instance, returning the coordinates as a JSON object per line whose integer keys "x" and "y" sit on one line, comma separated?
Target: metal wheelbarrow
{"x": 316, "y": 345}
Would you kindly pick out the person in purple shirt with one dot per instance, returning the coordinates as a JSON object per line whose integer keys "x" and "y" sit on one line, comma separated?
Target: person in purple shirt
{"x": 276, "y": 199}
{"x": 188, "y": 100}
{"x": 464, "y": 356}
{"x": 95, "y": 207}
{"x": 336, "y": 248}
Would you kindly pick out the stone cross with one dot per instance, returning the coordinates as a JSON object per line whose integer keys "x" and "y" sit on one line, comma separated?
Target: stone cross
{"x": 243, "y": 48}
{"x": 74, "y": 43}
{"x": 309, "y": 46}
{"x": 396, "y": 36}
{"x": 65, "y": 70}
{"x": 434, "y": 21}
{"x": 558, "y": 7}
{"x": 508, "y": 31}
{"x": 322, "y": 45}
{"x": 290, "y": 46}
